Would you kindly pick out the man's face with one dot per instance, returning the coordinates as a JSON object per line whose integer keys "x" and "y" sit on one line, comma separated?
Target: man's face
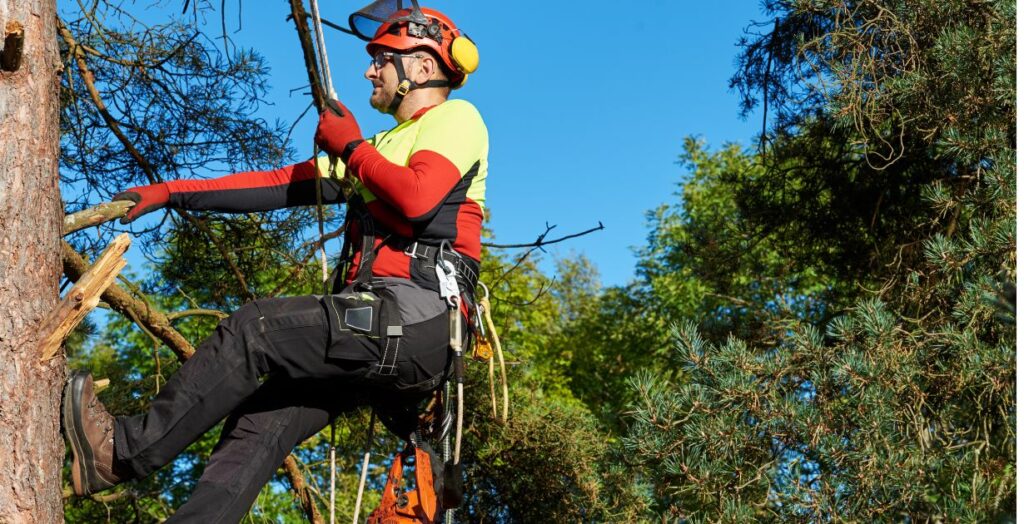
{"x": 384, "y": 80}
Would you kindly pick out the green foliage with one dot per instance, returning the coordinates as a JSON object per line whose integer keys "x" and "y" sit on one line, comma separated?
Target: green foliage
{"x": 876, "y": 379}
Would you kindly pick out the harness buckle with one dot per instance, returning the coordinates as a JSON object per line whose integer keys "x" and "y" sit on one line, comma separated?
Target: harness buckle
{"x": 410, "y": 251}
{"x": 449, "y": 287}
{"x": 403, "y": 88}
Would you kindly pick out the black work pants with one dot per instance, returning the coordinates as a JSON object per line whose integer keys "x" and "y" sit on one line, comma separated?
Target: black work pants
{"x": 312, "y": 370}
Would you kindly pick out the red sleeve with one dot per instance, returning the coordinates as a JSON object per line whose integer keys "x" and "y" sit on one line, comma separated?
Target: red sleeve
{"x": 255, "y": 190}
{"x": 417, "y": 190}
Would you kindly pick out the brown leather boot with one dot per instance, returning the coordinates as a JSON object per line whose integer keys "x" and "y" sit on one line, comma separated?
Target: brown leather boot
{"x": 89, "y": 430}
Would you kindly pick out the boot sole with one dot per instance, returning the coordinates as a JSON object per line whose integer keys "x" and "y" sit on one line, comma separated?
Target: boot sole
{"x": 80, "y": 454}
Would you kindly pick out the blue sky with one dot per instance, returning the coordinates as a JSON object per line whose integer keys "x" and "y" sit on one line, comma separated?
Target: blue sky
{"x": 586, "y": 104}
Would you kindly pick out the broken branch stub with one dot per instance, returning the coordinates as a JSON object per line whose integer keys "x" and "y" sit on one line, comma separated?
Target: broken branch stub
{"x": 14, "y": 43}
{"x": 83, "y": 297}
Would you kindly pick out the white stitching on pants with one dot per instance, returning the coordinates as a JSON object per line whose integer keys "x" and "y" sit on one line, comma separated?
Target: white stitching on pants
{"x": 389, "y": 369}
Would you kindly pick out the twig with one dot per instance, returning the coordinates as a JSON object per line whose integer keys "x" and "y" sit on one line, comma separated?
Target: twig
{"x": 196, "y": 312}
{"x": 540, "y": 239}
{"x": 537, "y": 244}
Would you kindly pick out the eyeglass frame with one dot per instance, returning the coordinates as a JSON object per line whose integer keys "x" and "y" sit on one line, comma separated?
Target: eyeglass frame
{"x": 389, "y": 55}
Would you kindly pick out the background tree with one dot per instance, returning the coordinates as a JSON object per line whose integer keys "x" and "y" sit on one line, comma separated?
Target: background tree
{"x": 889, "y": 179}
{"x": 30, "y": 224}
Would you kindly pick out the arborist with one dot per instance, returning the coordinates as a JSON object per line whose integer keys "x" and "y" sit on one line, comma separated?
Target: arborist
{"x": 281, "y": 369}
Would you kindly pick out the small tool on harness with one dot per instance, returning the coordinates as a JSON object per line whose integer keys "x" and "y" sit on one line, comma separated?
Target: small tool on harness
{"x": 482, "y": 349}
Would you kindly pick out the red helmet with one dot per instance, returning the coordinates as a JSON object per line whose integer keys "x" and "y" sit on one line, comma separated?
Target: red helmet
{"x": 423, "y": 28}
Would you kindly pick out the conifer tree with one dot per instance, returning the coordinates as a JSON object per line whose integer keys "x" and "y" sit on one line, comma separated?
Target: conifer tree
{"x": 888, "y": 173}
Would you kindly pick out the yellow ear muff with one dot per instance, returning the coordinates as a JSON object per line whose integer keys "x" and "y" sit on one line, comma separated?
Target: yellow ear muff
{"x": 465, "y": 54}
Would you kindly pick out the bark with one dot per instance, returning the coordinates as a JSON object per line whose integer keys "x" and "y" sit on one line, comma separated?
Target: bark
{"x": 30, "y": 263}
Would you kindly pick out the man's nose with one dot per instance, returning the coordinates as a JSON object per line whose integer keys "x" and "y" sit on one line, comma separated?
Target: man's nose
{"x": 370, "y": 73}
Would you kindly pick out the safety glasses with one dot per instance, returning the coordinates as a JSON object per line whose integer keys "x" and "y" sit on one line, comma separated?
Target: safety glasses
{"x": 381, "y": 58}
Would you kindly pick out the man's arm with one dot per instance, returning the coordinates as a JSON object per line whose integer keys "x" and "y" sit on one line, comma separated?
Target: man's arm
{"x": 246, "y": 192}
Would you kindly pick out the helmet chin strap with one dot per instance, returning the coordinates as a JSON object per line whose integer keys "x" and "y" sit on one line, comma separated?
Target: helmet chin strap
{"x": 405, "y": 85}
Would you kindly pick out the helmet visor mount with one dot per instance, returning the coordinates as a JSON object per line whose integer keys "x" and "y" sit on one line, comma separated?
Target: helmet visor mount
{"x": 365, "y": 22}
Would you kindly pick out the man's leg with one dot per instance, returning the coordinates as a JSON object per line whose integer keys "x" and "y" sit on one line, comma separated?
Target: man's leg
{"x": 276, "y": 337}
{"x": 255, "y": 441}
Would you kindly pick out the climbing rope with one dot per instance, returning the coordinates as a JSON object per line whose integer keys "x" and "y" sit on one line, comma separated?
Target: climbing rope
{"x": 485, "y": 306}
{"x": 362, "y": 475}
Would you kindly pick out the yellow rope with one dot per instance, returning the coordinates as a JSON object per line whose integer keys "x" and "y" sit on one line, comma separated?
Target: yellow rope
{"x": 485, "y": 305}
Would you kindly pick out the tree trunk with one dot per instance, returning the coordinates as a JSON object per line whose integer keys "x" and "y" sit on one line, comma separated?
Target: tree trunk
{"x": 30, "y": 264}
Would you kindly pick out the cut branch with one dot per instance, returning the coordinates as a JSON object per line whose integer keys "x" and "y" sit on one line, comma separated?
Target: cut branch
{"x": 96, "y": 215}
{"x": 83, "y": 298}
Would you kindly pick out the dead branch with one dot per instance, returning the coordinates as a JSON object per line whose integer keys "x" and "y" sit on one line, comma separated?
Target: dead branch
{"x": 535, "y": 245}
{"x": 121, "y": 301}
{"x": 299, "y": 16}
{"x": 540, "y": 242}
{"x": 82, "y": 298}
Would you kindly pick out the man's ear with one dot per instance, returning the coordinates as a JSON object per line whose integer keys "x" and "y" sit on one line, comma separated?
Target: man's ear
{"x": 427, "y": 68}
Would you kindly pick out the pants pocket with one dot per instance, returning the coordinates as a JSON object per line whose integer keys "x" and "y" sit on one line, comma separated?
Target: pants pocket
{"x": 354, "y": 319}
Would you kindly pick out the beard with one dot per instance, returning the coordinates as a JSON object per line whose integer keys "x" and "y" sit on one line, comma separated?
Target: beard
{"x": 381, "y": 99}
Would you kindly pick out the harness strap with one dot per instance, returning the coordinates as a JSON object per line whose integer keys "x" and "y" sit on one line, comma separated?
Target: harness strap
{"x": 405, "y": 85}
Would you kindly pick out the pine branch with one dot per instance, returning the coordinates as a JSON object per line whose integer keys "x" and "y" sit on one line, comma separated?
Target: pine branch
{"x": 144, "y": 164}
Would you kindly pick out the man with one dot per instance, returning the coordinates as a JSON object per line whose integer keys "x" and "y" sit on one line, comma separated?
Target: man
{"x": 280, "y": 369}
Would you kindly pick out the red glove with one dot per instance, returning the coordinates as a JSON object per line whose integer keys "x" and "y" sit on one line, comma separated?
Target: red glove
{"x": 338, "y": 132}
{"x": 146, "y": 198}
